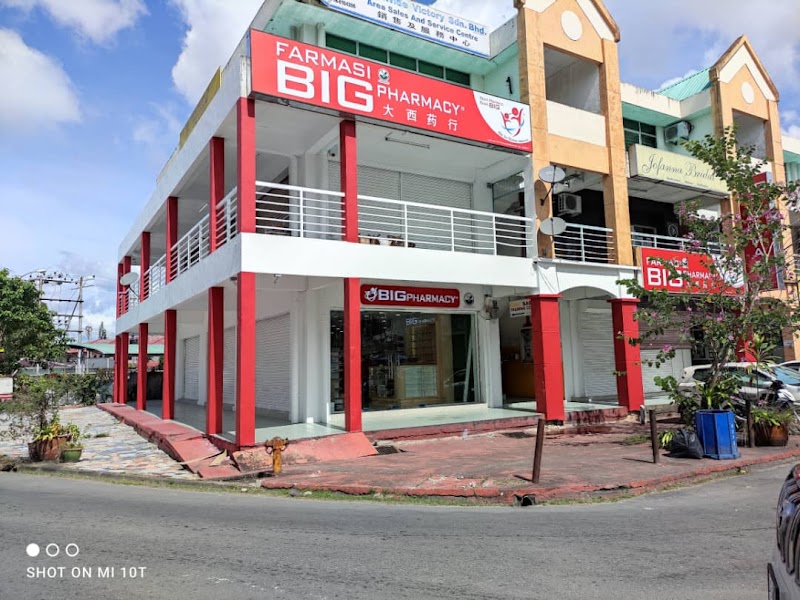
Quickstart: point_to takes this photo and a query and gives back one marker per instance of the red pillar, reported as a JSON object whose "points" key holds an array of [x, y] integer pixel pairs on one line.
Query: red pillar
{"points": [[352, 354], [124, 341], [168, 389], [349, 178], [172, 234], [126, 268], [119, 290], [141, 374], [216, 334], [144, 265], [246, 164], [216, 150], [246, 360], [548, 369], [117, 358], [352, 293], [627, 358]]}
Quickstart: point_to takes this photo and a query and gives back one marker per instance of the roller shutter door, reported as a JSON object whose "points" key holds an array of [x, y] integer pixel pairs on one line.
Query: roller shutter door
{"points": [[672, 367], [273, 366], [598, 353], [229, 367], [191, 368], [381, 183]]}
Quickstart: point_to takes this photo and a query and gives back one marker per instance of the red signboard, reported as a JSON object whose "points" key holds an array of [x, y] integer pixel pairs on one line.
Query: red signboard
{"points": [[752, 253], [289, 70], [656, 275], [400, 295]]}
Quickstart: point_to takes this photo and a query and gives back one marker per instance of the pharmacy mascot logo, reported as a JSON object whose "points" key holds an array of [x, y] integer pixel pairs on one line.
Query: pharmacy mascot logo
{"points": [[513, 121], [371, 294]]}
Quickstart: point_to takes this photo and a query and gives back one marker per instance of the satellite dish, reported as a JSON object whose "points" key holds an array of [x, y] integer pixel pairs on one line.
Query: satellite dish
{"points": [[129, 279], [553, 226], [552, 174]]}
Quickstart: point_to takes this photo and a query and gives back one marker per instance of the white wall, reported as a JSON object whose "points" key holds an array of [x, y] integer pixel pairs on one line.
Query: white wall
{"points": [[576, 85], [495, 82]]}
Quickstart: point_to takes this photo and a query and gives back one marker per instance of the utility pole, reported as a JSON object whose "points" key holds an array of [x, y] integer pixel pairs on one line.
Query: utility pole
{"points": [[63, 296]]}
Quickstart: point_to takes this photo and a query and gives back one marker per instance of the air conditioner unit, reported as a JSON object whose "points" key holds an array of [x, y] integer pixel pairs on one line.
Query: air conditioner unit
{"points": [[569, 204], [678, 131]]}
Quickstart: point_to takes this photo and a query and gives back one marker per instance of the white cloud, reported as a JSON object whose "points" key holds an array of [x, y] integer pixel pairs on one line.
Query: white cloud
{"points": [[674, 80], [215, 28], [37, 91], [97, 20], [657, 37]]}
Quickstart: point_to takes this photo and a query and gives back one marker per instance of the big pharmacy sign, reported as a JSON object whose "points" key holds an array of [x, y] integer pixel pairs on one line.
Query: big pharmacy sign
{"points": [[329, 81]]}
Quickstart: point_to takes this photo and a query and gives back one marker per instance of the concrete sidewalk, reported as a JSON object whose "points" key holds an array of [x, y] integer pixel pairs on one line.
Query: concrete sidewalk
{"points": [[496, 467]]}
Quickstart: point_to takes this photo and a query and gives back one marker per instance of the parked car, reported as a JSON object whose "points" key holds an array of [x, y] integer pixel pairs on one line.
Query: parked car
{"points": [[794, 365], [783, 568], [756, 383]]}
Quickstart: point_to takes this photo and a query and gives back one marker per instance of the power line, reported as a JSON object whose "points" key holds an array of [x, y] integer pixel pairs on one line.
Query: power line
{"points": [[63, 295]]}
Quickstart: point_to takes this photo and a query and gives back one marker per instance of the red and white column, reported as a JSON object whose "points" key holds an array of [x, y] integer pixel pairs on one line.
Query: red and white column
{"points": [[117, 357], [627, 357], [168, 389], [141, 363], [124, 341], [126, 268], [216, 334], [352, 285], [216, 148], [548, 368], [246, 281], [171, 236]]}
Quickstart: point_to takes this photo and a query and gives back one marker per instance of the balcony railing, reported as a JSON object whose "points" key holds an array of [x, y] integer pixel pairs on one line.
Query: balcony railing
{"points": [[663, 242], [225, 226], [311, 213], [585, 243]]}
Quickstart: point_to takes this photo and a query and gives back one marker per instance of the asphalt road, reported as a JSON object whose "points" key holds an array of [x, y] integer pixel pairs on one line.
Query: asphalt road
{"points": [[710, 541]]}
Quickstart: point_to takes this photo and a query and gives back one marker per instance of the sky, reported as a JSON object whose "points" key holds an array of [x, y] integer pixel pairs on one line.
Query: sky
{"points": [[96, 91]]}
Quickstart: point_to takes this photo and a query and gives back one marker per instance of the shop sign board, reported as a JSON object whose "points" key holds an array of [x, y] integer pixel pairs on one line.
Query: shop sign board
{"points": [[520, 308], [753, 252], [341, 84], [420, 20], [401, 295], [656, 275], [671, 167]]}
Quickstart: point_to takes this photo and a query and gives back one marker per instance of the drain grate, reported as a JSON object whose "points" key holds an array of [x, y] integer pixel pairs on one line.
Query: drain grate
{"points": [[388, 450], [518, 434]]}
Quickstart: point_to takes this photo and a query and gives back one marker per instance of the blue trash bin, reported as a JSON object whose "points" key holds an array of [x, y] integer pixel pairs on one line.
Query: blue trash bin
{"points": [[716, 430]]}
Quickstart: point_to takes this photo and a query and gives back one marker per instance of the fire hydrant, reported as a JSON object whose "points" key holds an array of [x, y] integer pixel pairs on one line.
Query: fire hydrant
{"points": [[275, 447]]}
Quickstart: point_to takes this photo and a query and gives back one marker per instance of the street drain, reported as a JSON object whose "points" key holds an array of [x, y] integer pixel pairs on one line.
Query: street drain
{"points": [[517, 434], [388, 450]]}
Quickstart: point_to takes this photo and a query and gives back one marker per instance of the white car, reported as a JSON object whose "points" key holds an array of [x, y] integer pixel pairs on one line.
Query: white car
{"points": [[755, 382]]}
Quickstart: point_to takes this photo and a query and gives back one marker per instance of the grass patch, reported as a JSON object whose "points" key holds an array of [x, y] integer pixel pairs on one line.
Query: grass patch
{"points": [[635, 439]]}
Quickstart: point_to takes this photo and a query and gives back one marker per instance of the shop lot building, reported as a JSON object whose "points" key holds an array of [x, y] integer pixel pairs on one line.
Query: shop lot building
{"points": [[348, 234]]}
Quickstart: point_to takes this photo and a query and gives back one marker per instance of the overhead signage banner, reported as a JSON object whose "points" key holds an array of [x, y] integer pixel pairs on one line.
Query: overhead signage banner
{"points": [[344, 84], [670, 167], [399, 295], [656, 275], [421, 20]]}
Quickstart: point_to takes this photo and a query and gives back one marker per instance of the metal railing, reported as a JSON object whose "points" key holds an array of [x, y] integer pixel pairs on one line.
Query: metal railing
{"points": [[301, 212], [312, 213], [225, 225], [155, 277], [191, 248], [664, 242], [585, 243]]}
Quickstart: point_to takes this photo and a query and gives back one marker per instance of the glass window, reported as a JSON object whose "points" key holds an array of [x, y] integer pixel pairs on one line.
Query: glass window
{"points": [[427, 68], [785, 375], [402, 61], [339, 43], [639, 133], [372, 52], [408, 360], [458, 77]]}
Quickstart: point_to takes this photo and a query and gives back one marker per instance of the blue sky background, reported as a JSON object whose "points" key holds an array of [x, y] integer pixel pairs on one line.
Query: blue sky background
{"points": [[96, 91]]}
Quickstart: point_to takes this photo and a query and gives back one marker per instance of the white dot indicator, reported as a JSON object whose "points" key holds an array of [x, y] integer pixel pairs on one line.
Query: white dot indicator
{"points": [[32, 550]]}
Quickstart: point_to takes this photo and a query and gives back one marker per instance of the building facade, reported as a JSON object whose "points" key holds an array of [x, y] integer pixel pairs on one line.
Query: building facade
{"points": [[350, 229]]}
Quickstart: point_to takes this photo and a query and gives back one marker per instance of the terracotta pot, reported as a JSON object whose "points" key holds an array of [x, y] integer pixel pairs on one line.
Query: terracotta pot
{"points": [[49, 450], [771, 435]]}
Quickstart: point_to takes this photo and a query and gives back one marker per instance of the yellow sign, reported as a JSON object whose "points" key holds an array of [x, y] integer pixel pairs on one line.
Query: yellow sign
{"points": [[670, 167]]}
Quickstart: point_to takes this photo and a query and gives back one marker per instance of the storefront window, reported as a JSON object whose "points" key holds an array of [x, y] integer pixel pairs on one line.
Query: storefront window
{"points": [[408, 360]]}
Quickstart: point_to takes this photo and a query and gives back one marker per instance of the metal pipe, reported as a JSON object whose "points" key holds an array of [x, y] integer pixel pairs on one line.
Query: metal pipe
{"points": [[654, 436], [537, 454]]}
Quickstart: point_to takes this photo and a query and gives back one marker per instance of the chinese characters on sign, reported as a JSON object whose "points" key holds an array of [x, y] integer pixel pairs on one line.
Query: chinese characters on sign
{"points": [[695, 269], [339, 83], [414, 18]]}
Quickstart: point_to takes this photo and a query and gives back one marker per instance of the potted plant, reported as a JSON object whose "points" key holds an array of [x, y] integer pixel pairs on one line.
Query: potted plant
{"points": [[72, 449], [771, 425], [33, 414]]}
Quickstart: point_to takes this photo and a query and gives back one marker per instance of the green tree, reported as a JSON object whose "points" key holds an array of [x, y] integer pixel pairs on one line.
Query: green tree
{"points": [[744, 252], [26, 325], [101, 332]]}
